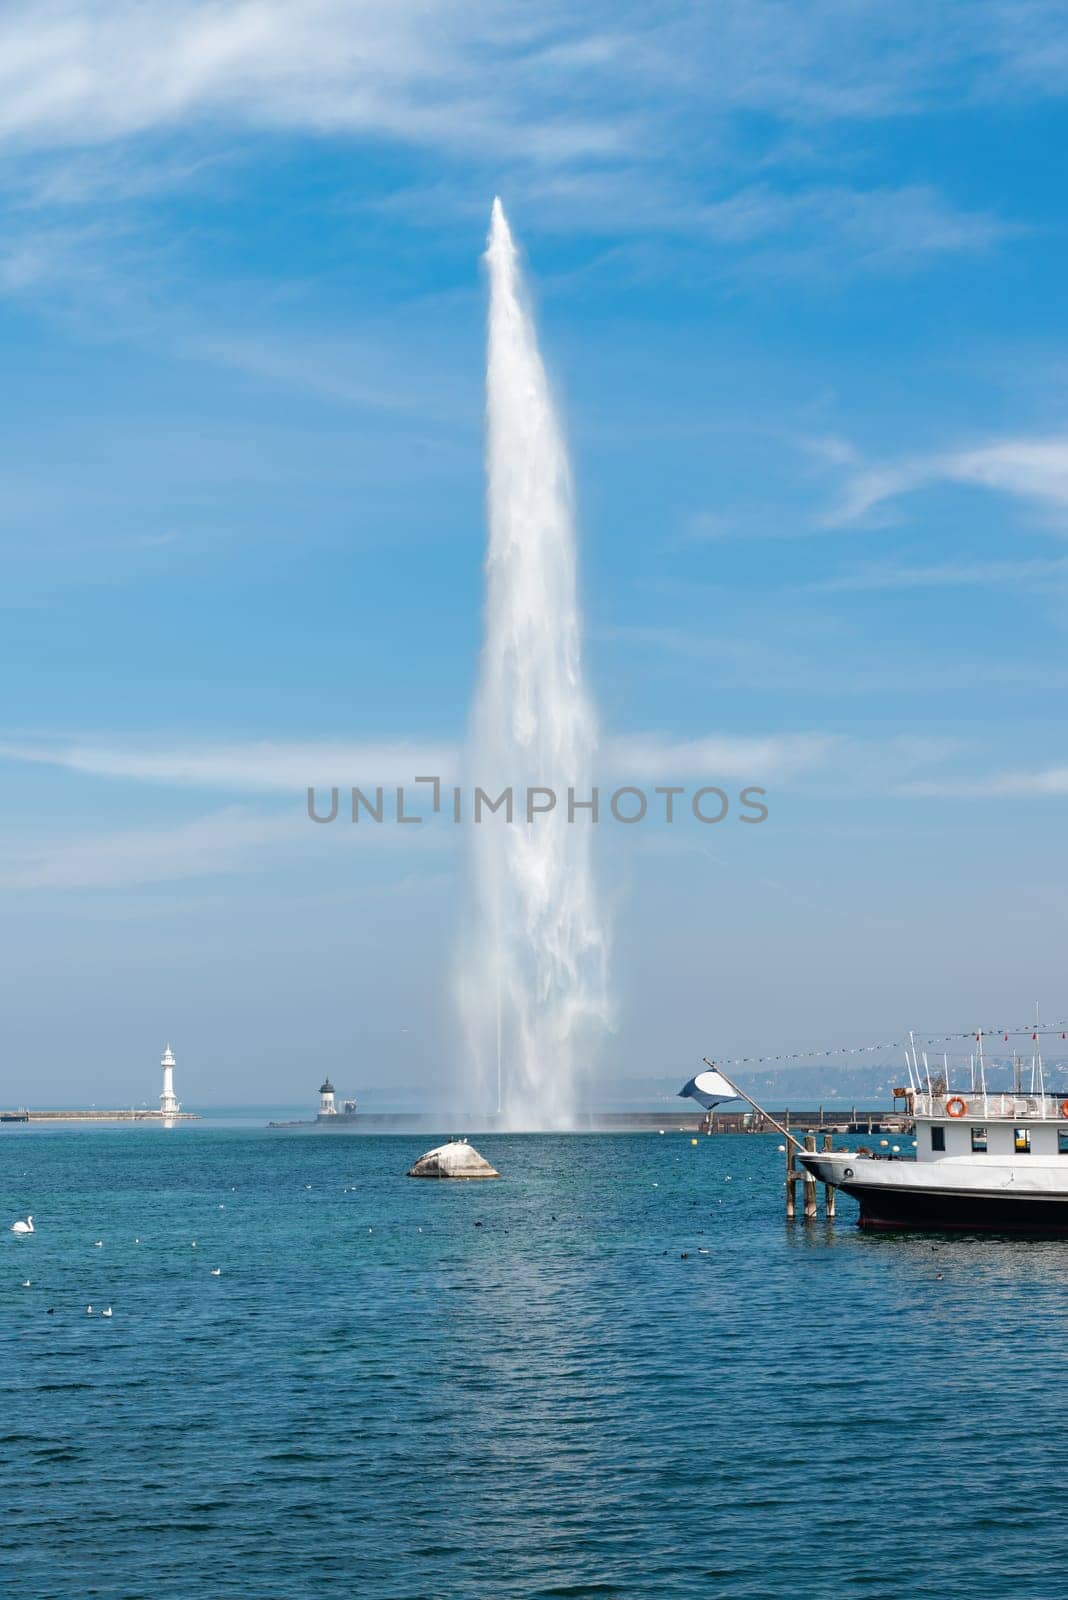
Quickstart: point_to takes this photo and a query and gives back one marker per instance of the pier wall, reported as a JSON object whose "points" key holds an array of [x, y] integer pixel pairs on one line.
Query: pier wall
{"points": [[131, 1115], [850, 1120]]}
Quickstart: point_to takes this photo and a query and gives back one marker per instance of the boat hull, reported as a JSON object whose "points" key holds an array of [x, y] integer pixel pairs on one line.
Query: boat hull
{"points": [[941, 1210]]}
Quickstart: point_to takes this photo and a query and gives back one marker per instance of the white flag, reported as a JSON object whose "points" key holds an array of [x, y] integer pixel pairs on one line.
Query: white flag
{"points": [[708, 1089]]}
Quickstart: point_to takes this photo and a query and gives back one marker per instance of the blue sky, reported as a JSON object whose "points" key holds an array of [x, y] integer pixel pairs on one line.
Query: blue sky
{"points": [[799, 275]]}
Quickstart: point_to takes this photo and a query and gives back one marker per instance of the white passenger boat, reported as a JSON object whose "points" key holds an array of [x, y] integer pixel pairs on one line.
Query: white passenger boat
{"points": [[983, 1161]]}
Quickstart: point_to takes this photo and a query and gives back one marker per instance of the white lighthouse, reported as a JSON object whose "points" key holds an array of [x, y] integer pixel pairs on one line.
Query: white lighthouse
{"points": [[327, 1103], [168, 1102]]}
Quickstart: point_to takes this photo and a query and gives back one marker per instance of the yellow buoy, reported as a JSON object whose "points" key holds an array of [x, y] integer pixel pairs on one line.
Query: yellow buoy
{"points": [[693, 1141]]}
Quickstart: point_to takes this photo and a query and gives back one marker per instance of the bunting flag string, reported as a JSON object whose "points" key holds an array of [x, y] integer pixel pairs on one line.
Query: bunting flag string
{"points": [[976, 1035]]}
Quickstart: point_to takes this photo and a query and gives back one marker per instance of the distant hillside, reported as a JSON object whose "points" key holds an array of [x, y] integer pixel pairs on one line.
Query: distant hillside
{"points": [[809, 1085]]}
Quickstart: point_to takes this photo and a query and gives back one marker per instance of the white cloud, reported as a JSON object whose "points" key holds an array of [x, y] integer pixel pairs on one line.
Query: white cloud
{"points": [[224, 842], [946, 575], [447, 74], [1033, 470], [994, 785], [265, 765], [881, 229], [275, 767], [233, 840], [272, 766], [540, 79], [648, 757], [584, 118]]}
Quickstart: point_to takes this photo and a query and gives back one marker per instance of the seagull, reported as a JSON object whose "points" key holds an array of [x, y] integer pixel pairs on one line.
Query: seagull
{"points": [[98, 1244], [88, 1311], [216, 1272], [25, 1283], [23, 1227], [192, 1244], [106, 1312]]}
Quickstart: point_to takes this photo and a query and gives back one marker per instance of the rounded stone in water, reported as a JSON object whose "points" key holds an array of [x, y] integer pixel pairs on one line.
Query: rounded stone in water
{"points": [[457, 1159]]}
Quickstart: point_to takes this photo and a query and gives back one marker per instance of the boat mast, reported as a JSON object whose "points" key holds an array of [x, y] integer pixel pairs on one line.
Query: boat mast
{"points": [[982, 1069]]}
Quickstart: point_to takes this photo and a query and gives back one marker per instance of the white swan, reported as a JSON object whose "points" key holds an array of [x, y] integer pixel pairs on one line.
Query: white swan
{"points": [[216, 1272], [98, 1244], [23, 1227], [88, 1311], [106, 1312], [25, 1283]]}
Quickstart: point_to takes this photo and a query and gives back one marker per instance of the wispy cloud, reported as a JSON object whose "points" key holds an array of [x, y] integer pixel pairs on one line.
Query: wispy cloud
{"points": [[646, 757], [290, 768], [582, 111], [84, 74], [899, 763], [1047, 781], [455, 74], [361, 372], [832, 229], [810, 229], [236, 839], [267, 765], [1033, 470], [224, 842], [1038, 574]]}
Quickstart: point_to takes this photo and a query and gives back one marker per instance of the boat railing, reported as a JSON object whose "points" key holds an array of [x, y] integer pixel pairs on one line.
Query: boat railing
{"points": [[981, 1107]]}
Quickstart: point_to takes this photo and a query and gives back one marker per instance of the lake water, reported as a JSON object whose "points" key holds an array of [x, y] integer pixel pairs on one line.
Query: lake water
{"points": [[616, 1372]]}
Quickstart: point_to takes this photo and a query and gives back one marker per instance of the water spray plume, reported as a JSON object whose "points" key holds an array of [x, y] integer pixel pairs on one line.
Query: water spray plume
{"points": [[533, 978]]}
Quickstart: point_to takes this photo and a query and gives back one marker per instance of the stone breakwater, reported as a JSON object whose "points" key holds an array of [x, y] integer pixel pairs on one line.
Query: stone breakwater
{"points": [[129, 1115]]}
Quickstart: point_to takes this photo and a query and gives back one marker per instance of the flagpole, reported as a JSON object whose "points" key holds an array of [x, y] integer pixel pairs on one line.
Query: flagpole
{"points": [[743, 1096]]}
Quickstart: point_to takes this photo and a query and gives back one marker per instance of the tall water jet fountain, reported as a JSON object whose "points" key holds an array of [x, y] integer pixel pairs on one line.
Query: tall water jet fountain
{"points": [[532, 980]]}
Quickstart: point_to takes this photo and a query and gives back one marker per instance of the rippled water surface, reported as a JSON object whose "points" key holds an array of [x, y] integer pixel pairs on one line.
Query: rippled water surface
{"points": [[616, 1372]]}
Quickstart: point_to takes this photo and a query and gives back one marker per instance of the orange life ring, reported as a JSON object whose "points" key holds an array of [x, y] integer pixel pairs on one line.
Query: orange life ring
{"points": [[1064, 1108], [956, 1107]]}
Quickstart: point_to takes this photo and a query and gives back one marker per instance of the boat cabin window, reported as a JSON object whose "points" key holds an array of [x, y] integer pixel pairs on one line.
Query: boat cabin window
{"points": [[938, 1138], [1062, 1141], [1021, 1141], [979, 1139]]}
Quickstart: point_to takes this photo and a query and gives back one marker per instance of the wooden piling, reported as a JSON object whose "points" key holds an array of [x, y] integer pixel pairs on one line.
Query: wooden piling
{"points": [[791, 1182], [810, 1210]]}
